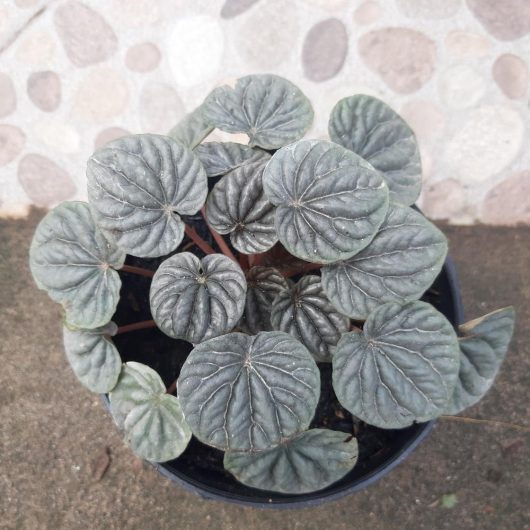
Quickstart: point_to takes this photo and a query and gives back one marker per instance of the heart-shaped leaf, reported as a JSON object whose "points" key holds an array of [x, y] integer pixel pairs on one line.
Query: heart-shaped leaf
{"points": [[71, 259], [400, 369], [153, 421], [238, 206], [194, 299], [399, 265], [192, 129], [305, 312], [263, 284], [137, 186], [374, 131], [330, 202], [270, 109], [219, 158], [483, 347], [307, 462], [248, 393], [93, 357]]}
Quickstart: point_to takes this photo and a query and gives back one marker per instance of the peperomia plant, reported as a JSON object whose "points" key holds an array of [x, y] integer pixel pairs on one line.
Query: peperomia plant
{"points": [[279, 255]]}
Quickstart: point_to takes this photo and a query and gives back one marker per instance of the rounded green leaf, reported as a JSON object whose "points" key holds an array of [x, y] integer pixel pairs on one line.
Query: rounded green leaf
{"points": [[308, 462], [270, 109], [370, 128], [400, 369], [194, 299], [483, 347], [71, 259], [399, 265], [93, 357], [330, 202], [219, 158], [137, 186], [248, 393], [305, 312], [238, 206], [153, 421], [263, 284], [192, 129]]}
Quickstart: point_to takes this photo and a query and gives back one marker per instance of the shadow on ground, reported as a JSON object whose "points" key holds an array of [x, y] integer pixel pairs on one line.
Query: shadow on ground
{"points": [[54, 435]]}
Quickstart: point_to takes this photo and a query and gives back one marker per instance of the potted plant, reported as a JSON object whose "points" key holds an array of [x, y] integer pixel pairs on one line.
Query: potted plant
{"points": [[273, 321]]}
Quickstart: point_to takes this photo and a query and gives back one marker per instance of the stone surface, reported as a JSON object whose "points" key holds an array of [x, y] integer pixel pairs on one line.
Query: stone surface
{"points": [[8, 98], [12, 140], [426, 118], [509, 202], [504, 19], [461, 86], [57, 135], [160, 108], [443, 199], [45, 183], [53, 429], [404, 58], [429, 9], [487, 142], [101, 95], [26, 3], [233, 8], [107, 135], [330, 5], [195, 49], [37, 49], [325, 48], [511, 74], [44, 90], [139, 13], [86, 36], [466, 44], [367, 12], [142, 57]]}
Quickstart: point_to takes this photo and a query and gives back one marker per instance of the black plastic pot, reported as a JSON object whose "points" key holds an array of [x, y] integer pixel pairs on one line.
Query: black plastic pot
{"points": [[199, 469]]}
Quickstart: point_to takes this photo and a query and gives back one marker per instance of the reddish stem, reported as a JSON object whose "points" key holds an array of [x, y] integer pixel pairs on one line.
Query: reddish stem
{"points": [[299, 270], [137, 270], [245, 261], [198, 240], [145, 324], [225, 249], [172, 387]]}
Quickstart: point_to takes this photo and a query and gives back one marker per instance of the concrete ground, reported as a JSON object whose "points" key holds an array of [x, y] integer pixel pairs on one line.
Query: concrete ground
{"points": [[55, 436]]}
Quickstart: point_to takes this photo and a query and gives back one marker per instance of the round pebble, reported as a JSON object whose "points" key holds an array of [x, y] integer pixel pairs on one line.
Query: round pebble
{"points": [[461, 86], [57, 135], [36, 50], [160, 108], [44, 90], [142, 57], [443, 199], [233, 8], [107, 135], [12, 140], [426, 118], [367, 13], [467, 45], [504, 19], [510, 72], [429, 9], [8, 98]]}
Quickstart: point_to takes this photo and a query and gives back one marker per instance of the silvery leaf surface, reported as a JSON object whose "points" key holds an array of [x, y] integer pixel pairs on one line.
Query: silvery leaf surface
{"points": [[192, 129], [307, 462], [330, 202], [137, 187], [72, 260], [195, 299], [306, 313], [402, 368], [93, 357], [153, 421], [269, 109], [400, 264], [238, 206], [263, 284], [483, 346], [248, 393], [370, 128], [219, 158]]}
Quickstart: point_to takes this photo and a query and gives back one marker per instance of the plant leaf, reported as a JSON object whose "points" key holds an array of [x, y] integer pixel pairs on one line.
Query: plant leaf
{"points": [[192, 129], [219, 158], [399, 265], [308, 462], [93, 357], [305, 312], [247, 393], [263, 284], [137, 186], [238, 206], [330, 202], [400, 369], [270, 109], [374, 131], [71, 259], [153, 421], [483, 347], [196, 299]]}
